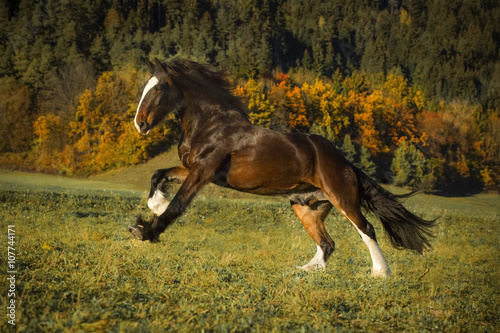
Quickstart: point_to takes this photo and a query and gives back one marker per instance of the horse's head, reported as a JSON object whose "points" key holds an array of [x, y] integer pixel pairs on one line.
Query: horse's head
{"points": [[160, 97]]}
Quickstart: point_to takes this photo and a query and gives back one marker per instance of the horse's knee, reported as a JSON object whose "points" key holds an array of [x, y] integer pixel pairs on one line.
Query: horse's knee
{"points": [[158, 175]]}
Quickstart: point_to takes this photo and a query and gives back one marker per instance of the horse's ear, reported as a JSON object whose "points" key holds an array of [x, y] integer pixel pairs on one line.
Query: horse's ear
{"points": [[151, 67], [159, 65]]}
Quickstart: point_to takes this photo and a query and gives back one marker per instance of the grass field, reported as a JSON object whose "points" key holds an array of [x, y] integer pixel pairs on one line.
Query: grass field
{"points": [[228, 265]]}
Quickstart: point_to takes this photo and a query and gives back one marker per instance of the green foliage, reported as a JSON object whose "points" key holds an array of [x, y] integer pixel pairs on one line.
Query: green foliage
{"points": [[439, 51], [366, 162], [324, 131], [409, 166], [362, 160], [348, 149]]}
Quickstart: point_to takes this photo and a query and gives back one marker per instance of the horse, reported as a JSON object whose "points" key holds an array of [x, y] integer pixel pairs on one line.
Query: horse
{"points": [[220, 145]]}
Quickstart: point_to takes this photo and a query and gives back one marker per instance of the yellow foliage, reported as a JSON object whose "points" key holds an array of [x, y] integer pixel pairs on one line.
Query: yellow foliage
{"points": [[486, 177], [327, 107], [404, 17], [418, 100], [102, 135], [396, 88], [47, 128], [259, 106]]}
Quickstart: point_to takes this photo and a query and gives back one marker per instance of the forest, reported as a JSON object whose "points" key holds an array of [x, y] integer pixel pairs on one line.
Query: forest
{"points": [[408, 90]]}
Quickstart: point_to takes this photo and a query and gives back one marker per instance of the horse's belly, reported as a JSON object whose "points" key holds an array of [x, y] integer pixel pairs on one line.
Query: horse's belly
{"points": [[268, 177]]}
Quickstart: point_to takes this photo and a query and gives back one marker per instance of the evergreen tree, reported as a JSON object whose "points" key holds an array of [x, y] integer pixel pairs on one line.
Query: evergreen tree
{"points": [[348, 149], [324, 131], [367, 165], [444, 51], [409, 166], [401, 166], [306, 60]]}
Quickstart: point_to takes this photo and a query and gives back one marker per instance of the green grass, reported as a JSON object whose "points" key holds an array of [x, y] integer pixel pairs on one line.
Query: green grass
{"points": [[228, 265]]}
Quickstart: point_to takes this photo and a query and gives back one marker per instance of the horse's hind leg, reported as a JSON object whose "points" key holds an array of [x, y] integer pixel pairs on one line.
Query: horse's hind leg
{"points": [[347, 201], [312, 217], [367, 233]]}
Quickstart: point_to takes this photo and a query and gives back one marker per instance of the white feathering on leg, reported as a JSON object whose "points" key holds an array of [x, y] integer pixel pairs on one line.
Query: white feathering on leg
{"points": [[317, 262], [380, 265], [158, 203]]}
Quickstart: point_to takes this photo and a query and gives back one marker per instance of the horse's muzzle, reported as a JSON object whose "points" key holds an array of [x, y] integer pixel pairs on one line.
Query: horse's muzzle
{"points": [[144, 127]]}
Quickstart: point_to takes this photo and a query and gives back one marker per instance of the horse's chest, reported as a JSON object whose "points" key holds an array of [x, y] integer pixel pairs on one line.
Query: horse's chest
{"points": [[184, 151]]}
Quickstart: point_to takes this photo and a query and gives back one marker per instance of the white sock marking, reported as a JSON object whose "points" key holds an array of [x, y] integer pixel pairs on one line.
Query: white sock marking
{"points": [[380, 265], [317, 262], [158, 203], [151, 84]]}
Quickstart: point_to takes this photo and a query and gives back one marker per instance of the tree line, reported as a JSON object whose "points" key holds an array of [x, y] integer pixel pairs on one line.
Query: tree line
{"points": [[410, 81]]}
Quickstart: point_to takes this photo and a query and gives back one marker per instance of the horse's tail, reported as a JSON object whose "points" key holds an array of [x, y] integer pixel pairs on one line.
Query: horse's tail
{"points": [[405, 229]]}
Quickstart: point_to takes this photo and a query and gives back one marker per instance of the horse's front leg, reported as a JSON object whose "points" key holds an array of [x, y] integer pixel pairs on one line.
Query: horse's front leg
{"points": [[193, 183], [160, 185], [158, 202]]}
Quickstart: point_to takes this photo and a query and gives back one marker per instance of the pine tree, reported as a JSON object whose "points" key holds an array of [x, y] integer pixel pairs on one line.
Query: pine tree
{"points": [[410, 166], [400, 166], [306, 60], [348, 149], [367, 165]]}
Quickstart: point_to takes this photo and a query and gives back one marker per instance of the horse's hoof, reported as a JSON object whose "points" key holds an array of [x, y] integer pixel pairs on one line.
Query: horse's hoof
{"points": [[136, 231]]}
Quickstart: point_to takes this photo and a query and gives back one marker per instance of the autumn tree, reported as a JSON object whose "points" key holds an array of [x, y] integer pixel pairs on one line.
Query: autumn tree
{"points": [[259, 106], [50, 141], [15, 121]]}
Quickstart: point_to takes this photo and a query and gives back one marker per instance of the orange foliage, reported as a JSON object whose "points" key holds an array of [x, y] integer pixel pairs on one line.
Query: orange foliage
{"points": [[102, 135], [282, 77], [297, 112], [49, 142], [364, 119]]}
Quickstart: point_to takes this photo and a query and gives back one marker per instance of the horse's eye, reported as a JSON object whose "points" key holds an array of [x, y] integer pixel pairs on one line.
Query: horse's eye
{"points": [[158, 88]]}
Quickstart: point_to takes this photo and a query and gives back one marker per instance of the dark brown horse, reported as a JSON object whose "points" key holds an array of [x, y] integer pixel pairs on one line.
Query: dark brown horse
{"points": [[220, 145]]}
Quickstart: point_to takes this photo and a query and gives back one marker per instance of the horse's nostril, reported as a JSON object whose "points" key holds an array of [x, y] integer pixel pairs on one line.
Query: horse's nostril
{"points": [[143, 126]]}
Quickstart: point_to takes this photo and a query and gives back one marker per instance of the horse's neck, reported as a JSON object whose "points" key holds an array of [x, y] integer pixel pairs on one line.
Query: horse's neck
{"points": [[199, 115], [192, 116]]}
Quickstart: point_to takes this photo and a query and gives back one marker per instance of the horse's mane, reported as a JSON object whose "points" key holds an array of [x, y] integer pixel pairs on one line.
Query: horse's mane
{"points": [[214, 84]]}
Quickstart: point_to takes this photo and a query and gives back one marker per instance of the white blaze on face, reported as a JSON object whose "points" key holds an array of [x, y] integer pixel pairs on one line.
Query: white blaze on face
{"points": [[151, 84]]}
